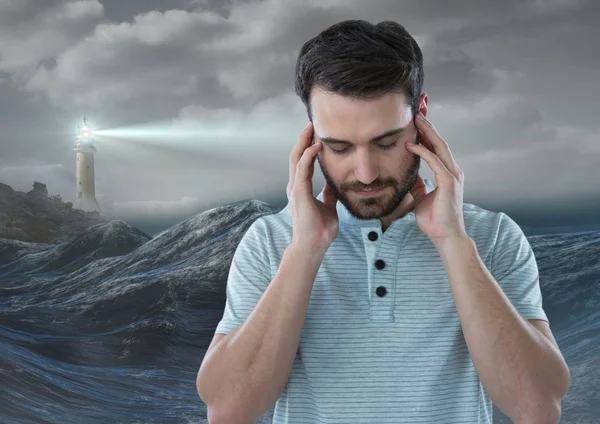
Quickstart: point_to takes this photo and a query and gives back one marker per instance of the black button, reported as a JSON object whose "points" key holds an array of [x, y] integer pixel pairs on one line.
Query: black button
{"points": [[373, 236], [379, 264], [381, 291]]}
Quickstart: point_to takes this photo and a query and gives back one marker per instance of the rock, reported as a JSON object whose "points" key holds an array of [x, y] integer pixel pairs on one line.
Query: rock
{"points": [[35, 217]]}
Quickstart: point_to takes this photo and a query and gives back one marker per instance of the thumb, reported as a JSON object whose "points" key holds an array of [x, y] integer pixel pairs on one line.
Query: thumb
{"points": [[419, 190], [328, 197]]}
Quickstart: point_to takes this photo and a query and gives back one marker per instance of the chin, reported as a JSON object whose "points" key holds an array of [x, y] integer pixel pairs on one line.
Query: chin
{"points": [[367, 208]]}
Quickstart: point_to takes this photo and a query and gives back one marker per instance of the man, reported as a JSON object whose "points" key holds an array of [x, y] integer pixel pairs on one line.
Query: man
{"points": [[385, 299]]}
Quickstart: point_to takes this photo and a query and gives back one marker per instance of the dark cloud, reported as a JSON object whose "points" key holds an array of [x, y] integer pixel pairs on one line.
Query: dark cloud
{"points": [[453, 74], [33, 32], [25, 10]]}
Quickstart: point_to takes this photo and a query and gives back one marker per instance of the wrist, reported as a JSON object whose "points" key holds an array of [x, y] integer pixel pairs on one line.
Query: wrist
{"points": [[307, 250], [454, 244]]}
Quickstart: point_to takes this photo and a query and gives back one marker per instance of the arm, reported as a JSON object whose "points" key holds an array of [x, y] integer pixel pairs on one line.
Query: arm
{"points": [[521, 368], [242, 377]]}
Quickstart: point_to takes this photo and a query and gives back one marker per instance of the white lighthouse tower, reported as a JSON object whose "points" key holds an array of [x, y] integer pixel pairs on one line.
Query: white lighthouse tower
{"points": [[86, 188]]}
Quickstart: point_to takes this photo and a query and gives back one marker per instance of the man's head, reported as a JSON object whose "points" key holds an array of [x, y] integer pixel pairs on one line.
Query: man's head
{"points": [[358, 81]]}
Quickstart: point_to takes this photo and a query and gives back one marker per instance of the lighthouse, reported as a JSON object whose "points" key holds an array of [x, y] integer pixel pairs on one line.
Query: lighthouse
{"points": [[85, 185]]}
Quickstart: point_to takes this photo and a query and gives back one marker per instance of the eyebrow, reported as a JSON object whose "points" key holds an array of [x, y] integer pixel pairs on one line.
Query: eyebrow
{"points": [[332, 140]]}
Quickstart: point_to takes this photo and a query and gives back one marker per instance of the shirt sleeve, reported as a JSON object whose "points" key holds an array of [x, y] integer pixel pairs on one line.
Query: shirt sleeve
{"points": [[249, 276], [515, 268]]}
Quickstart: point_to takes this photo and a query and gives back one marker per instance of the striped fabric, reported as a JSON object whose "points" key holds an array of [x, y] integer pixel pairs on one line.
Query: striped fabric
{"points": [[382, 341]]}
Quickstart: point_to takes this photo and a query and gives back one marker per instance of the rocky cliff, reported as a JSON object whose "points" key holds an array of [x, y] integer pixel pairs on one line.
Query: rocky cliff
{"points": [[34, 216]]}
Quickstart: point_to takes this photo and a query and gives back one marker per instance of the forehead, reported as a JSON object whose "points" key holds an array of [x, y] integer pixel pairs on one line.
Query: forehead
{"points": [[357, 119]]}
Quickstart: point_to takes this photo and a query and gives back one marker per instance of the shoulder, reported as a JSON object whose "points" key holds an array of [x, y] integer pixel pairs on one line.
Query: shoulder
{"points": [[271, 234], [491, 230], [269, 223], [277, 226], [481, 219]]}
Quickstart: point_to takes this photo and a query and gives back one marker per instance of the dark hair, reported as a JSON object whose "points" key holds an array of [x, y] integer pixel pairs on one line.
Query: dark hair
{"points": [[358, 59]]}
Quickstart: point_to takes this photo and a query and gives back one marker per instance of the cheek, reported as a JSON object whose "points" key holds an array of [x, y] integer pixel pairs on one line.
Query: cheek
{"points": [[337, 168], [396, 163]]}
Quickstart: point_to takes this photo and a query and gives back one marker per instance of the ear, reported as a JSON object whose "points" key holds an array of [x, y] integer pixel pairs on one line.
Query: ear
{"points": [[423, 104]]}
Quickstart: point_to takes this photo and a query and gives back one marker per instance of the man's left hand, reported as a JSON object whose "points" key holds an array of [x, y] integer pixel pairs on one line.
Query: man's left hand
{"points": [[439, 214]]}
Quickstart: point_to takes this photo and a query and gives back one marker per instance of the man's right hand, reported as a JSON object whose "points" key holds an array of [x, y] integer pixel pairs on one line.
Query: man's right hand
{"points": [[315, 223]]}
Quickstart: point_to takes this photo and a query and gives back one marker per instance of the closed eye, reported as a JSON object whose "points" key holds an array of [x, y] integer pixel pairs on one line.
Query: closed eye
{"points": [[381, 146]]}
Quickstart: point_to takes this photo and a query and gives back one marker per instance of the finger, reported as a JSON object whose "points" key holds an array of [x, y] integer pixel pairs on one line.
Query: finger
{"points": [[305, 168], [422, 139], [437, 166], [419, 189], [437, 144], [304, 141], [328, 197]]}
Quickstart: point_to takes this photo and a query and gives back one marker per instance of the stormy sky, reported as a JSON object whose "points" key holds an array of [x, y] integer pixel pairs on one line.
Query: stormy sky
{"points": [[204, 91]]}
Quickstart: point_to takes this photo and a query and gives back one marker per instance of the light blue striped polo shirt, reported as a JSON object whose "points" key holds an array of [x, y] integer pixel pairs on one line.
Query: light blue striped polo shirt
{"points": [[382, 340]]}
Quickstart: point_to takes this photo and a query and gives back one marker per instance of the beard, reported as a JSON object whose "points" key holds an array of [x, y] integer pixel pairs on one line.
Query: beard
{"points": [[378, 206]]}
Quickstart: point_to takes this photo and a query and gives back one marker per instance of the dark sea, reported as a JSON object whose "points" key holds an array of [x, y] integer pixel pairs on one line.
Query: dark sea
{"points": [[112, 326]]}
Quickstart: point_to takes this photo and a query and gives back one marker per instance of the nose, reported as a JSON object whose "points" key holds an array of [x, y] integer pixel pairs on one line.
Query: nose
{"points": [[366, 169]]}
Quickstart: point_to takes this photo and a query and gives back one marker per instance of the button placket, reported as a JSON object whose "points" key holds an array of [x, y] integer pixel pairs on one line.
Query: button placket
{"points": [[381, 290], [379, 275]]}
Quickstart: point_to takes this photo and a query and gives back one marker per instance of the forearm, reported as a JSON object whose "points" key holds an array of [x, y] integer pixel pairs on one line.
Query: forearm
{"points": [[520, 368], [248, 369]]}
